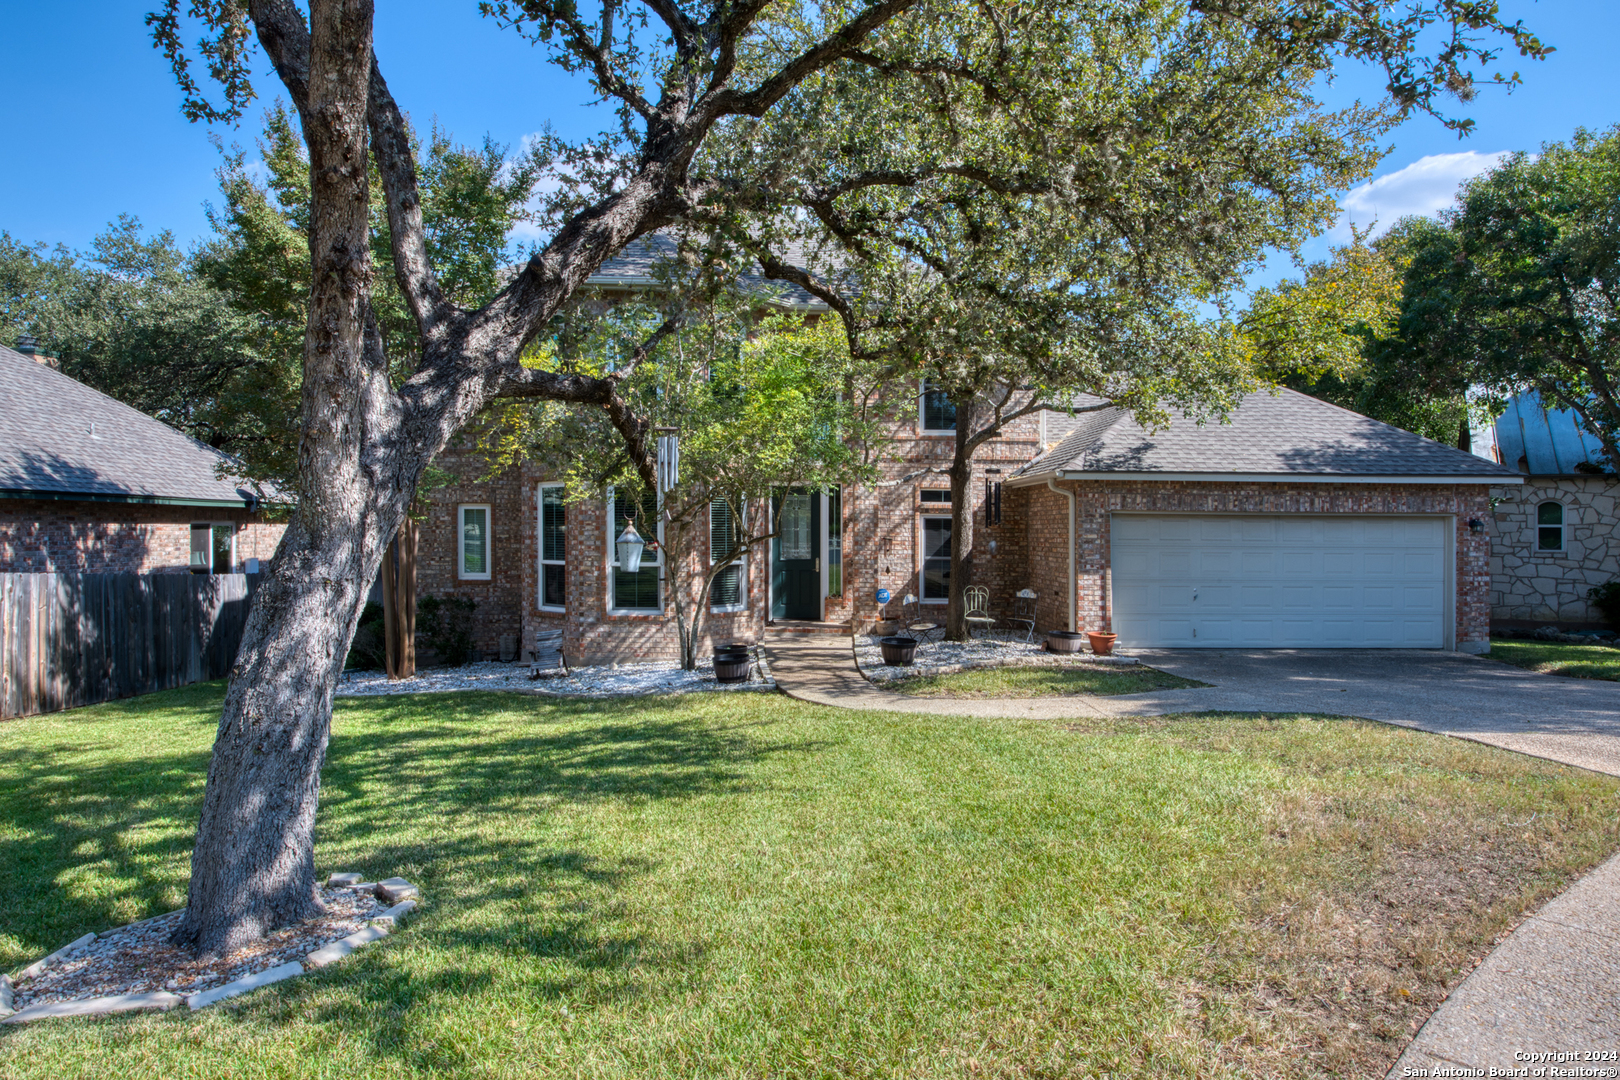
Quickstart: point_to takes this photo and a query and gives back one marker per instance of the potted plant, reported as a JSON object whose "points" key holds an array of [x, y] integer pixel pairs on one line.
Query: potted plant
{"points": [[898, 651], [731, 662], [1065, 641], [1101, 644]]}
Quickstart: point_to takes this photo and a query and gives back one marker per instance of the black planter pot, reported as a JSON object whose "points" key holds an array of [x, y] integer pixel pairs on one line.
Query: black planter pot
{"points": [[1065, 641], [898, 651], [731, 663]]}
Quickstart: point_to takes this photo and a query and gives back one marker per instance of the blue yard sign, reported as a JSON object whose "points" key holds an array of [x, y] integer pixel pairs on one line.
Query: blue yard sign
{"points": [[883, 596]]}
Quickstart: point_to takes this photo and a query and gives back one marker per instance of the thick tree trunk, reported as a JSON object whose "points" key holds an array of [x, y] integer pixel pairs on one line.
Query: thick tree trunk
{"points": [[399, 602], [253, 866], [961, 474]]}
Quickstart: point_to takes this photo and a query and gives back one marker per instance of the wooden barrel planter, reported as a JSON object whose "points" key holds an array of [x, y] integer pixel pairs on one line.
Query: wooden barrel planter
{"points": [[731, 664], [1065, 641], [898, 651]]}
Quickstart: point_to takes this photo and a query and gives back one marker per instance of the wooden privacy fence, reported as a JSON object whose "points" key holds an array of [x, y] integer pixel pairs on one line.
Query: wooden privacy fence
{"points": [[75, 639]]}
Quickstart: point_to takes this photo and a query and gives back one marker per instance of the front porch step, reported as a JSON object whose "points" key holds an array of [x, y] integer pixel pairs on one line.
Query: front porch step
{"points": [[807, 626]]}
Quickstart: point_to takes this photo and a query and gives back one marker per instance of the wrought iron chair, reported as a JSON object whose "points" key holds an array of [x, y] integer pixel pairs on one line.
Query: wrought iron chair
{"points": [[1024, 612], [917, 622], [977, 601]]}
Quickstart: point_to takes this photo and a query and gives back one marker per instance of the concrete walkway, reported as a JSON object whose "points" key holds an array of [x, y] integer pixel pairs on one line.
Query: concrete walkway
{"points": [[1554, 983]]}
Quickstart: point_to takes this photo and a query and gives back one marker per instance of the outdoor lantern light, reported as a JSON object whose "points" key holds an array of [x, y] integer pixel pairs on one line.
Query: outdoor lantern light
{"points": [[1476, 525], [630, 547]]}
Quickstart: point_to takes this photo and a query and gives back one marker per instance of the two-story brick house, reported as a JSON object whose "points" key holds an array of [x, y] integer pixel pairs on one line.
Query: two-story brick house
{"points": [[1297, 524]]}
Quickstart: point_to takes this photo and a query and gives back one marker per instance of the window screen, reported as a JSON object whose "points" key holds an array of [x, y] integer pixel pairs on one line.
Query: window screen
{"points": [[553, 569], [475, 541], [638, 591], [1550, 527], [936, 563], [728, 587]]}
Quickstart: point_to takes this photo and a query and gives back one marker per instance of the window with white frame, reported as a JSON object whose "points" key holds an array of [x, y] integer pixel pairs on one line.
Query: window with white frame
{"points": [[638, 591], [213, 547], [936, 560], [553, 563], [935, 411], [729, 590], [1550, 527], [472, 531]]}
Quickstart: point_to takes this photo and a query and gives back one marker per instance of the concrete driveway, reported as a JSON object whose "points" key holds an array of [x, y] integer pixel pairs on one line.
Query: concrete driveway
{"points": [[1574, 721]]}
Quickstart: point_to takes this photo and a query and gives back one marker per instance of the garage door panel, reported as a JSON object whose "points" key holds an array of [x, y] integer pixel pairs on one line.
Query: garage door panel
{"points": [[1280, 581]]}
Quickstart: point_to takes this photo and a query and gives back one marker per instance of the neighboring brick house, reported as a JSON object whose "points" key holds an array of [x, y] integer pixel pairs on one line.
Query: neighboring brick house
{"points": [[89, 484], [1557, 534], [1298, 524]]}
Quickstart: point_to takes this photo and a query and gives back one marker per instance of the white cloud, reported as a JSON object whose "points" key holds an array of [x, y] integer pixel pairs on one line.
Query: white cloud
{"points": [[1424, 188]]}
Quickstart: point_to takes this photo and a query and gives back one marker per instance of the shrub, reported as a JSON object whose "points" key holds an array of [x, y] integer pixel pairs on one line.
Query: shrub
{"points": [[1606, 598], [447, 627], [368, 650]]}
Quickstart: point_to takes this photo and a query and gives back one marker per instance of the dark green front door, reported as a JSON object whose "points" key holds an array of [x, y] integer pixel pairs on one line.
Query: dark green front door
{"points": [[796, 556]]}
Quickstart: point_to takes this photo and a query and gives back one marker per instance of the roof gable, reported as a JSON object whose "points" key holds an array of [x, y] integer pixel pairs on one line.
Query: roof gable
{"points": [[59, 439]]}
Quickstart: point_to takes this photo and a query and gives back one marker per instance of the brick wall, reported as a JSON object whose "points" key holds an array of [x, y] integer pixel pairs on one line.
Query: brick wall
{"points": [[1096, 500], [40, 536], [438, 546], [1529, 585]]}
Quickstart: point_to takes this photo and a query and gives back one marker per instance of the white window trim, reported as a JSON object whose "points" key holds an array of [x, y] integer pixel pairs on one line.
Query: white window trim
{"points": [[540, 549], [212, 525], [922, 420], [461, 539], [613, 531], [922, 558], [1536, 526], [741, 517]]}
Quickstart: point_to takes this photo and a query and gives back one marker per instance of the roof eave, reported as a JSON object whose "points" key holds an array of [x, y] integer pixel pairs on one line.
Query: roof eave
{"points": [[129, 497], [1267, 478]]}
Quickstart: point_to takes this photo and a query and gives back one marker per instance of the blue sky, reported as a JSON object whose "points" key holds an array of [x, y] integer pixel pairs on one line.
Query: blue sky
{"points": [[92, 126]]}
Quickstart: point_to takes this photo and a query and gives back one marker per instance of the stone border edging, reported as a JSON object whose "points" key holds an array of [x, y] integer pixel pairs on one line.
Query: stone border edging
{"points": [[395, 890]]}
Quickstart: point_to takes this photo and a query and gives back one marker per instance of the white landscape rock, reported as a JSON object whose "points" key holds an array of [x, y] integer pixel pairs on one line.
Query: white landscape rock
{"points": [[947, 657], [244, 984], [7, 998], [60, 954], [621, 680]]}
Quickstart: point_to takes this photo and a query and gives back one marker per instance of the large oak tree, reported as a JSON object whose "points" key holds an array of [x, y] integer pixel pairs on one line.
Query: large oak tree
{"points": [[672, 72]]}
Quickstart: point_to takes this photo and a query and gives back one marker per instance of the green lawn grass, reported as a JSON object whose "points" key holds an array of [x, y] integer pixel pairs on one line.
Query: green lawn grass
{"points": [[1559, 658], [748, 886], [1025, 682]]}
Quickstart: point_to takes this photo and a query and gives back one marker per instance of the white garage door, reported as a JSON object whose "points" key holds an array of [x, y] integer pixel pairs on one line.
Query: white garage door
{"points": [[1260, 581]]}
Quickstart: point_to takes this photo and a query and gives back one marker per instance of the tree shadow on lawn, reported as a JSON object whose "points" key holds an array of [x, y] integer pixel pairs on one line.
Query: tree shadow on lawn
{"points": [[96, 845]]}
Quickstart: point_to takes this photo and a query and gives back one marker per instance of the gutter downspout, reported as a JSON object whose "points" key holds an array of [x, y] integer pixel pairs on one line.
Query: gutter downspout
{"points": [[1073, 584]]}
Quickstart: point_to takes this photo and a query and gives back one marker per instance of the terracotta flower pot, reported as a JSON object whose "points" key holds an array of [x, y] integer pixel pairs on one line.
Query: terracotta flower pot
{"points": [[898, 651], [1065, 641], [1101, 644]]}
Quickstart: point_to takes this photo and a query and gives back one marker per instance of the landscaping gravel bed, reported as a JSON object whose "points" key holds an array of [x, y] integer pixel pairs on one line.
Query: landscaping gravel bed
{"points": [[619, 680], [137, 959], [945, 657]]}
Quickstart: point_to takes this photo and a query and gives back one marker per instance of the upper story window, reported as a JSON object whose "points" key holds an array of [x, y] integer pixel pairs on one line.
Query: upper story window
{"points": [[937, 412], [729, 590], [638, 591], [1550, 527], [935, 495], [553, 568], [472, 526]]}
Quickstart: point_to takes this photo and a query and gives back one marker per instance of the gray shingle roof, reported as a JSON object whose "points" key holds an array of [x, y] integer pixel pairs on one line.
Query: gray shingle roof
{"points": [[1290, 434], [59, 438], [635, 264]]}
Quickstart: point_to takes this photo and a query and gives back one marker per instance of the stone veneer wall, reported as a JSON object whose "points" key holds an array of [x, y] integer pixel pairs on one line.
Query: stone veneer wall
{"points": [[50, 536], [1096, 500], [1528, 585]]}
